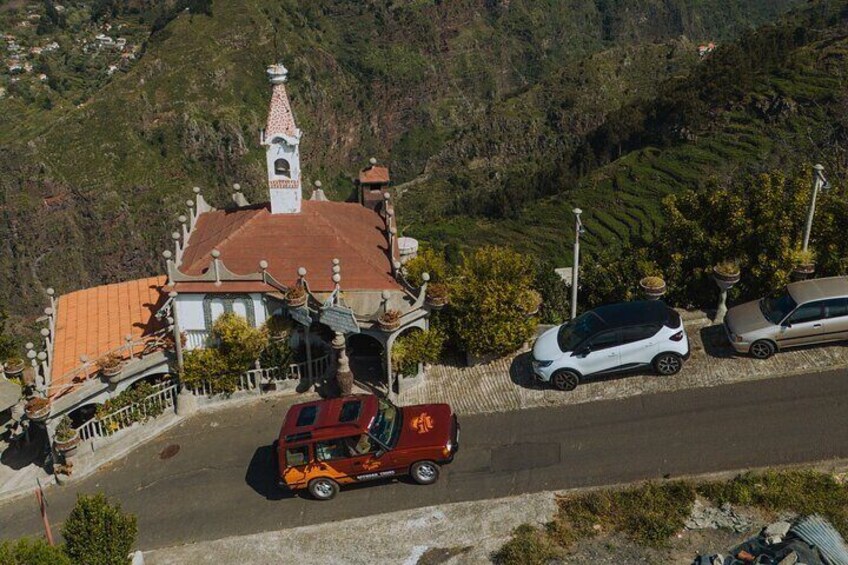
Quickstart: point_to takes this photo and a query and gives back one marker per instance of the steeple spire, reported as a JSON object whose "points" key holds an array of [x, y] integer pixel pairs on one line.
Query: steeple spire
{"points": [[282, 140]]}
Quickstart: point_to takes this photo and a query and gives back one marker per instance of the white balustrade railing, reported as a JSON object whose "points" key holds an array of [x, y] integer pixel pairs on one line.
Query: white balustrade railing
{"points": [[196, 339], [255, 378], [152, 405]]}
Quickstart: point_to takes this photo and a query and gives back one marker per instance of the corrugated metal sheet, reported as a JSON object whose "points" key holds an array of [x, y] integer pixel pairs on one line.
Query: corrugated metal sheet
{"points": [[818, 532]]}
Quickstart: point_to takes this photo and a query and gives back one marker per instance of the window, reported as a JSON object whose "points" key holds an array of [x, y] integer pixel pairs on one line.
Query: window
{"points": [[775, 309], [350, 411], [572, 333], [806, 313], [605, 340], [331, 449], [638, 333], [835, 308], [386, 425], [282, 168], [297, 456], [306, 416], [361, 445]]}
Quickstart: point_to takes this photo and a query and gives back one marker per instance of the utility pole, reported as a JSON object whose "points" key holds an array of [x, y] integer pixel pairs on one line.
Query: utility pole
{"points": [[578, 229], [819, 182]]}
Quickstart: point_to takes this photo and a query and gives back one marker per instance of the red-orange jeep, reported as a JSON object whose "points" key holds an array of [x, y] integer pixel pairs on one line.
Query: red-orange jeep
{"points": [[327, 443]]}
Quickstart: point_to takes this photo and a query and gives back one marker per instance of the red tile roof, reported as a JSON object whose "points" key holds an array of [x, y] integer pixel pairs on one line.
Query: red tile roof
{"points": [[95, 321], [321, 232], [374, 175]]}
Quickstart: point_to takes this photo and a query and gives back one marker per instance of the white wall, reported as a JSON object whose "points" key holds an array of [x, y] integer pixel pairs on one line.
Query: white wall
{"points": [[191, 317]]}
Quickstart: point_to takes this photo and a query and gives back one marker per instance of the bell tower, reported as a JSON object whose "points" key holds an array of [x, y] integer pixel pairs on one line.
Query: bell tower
{"points": [[281, 138]]}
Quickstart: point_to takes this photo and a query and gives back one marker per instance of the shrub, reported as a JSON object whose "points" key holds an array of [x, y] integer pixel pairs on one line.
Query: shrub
{"points": [[727, 268], [8, 346], [237, 347], [99, 533], [555, 300], [528, 546], [438, 292], [652, 282], [485, 293], [416, 347], [65, 430], [802, 257], [142, 410], [389, 317], [427, 261], [32, 551]]}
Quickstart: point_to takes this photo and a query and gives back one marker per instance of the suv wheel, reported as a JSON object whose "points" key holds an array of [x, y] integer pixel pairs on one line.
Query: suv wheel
{"points": [[565, 380], [323, 488], [762, 349], [424, 472], [668, 363]]}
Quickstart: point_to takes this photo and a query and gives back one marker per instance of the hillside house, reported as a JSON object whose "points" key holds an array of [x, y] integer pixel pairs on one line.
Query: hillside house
{"points": [[244, 258]]}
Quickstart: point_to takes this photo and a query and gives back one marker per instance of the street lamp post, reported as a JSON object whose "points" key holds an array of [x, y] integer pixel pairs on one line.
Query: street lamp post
{"points": [[819, 183], [578, 229]]}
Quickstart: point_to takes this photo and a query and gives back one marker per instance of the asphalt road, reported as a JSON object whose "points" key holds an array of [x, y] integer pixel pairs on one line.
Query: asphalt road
{"points": [[220, 483]]}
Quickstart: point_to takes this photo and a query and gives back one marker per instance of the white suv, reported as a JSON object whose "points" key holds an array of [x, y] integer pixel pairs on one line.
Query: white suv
{"points": [[611, 339]]}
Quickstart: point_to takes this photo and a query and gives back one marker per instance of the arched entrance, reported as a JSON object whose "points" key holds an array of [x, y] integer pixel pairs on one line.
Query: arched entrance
{"points": [[366, 355]]}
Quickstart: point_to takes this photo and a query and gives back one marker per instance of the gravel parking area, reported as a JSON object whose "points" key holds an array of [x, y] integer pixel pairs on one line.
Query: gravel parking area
{"points": [[507, 384]]}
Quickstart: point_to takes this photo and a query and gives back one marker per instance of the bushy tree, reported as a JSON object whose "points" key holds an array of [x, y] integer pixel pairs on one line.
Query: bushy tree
{"points": [[32, 551], [486, 293], [613, 276], [98, 532], [236, 347], [8, 346], [416, 347], [427, 261], [555, 294]]}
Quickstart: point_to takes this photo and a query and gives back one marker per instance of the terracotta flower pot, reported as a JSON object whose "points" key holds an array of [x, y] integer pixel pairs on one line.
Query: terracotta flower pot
{"points": [[653, 287], [38, 409], [67, 448], [14, 367], [113, 374], [731, 278]]}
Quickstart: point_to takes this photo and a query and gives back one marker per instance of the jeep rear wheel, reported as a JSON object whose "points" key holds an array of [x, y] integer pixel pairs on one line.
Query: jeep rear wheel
{"points": [[323, 488], [424, 472], [762, 349], [565, 380], [668, 364]]}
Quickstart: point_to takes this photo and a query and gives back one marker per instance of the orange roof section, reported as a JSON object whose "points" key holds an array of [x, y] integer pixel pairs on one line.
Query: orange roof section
{"points": [[374, 175], [321, 232], [95, 321]]}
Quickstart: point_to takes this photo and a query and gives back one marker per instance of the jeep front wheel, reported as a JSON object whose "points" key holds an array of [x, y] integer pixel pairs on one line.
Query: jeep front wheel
{"points": [[424, 472], [323, 488]]}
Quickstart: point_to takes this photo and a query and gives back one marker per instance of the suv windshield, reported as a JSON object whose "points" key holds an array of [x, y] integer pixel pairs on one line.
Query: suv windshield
{"points": [[577, 330], [776, 309], [386, 425]]}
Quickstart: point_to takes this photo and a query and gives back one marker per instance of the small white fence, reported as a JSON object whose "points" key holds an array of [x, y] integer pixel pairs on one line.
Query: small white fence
{"points": [[255, 378], [196, 339], [150, 406]]}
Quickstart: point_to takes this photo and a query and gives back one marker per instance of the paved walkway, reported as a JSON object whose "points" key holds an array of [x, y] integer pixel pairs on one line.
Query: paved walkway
{"points": [[507, 384]]}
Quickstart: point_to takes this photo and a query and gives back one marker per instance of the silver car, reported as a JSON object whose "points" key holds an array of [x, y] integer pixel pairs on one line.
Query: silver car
{"points": [[808, 312]]}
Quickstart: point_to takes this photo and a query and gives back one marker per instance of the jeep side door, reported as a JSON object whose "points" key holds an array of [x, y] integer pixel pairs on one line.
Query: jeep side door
{"points": [[599, 354], [368, 460], [804, 326]]}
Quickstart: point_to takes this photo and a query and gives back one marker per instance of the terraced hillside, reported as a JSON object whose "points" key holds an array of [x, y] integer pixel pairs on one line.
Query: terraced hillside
{"points": [[473, 99]]}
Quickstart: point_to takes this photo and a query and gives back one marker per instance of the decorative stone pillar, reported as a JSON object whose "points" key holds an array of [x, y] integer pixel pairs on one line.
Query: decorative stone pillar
{"points": [[725, 281], [344, 376]]}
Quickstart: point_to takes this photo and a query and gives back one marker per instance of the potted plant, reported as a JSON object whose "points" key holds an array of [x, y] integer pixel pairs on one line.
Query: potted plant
{"points": [[437, 295], [529, 302], [296, 296], [62, 471], [111, 366], [13, 367], [66, 439], [37, 409], [653, 286], [803, 262], [727, 271], [389, 320]]}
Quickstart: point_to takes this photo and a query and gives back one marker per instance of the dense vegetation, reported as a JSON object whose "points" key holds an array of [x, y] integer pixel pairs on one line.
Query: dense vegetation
{"points": [[481, 106]]}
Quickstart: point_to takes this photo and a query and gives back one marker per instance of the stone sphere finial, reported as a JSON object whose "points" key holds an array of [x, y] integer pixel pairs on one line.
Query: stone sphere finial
{"points": [[175, 236], [182, 218], [336, 278], [167, 254], [301, 271], [31, 354], [425, 277], [50, 292], [373, 161], [396, 264], [215, 253], [172, 294], [386, 196], [44, 332], [196, 190], [237, 187], [190, 203], [263, 264], [48, 311], [385, 295], [41, 356], [29, 345], [318, 184], [337, 269], [336, 261], [128, 337], [170, 320]]}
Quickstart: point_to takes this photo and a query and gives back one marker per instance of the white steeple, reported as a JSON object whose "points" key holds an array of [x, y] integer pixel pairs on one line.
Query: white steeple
{"points": [[282, 140]]}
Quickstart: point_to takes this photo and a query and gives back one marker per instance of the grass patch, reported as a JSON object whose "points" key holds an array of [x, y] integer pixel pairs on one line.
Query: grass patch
{"points": [[650, 514]]}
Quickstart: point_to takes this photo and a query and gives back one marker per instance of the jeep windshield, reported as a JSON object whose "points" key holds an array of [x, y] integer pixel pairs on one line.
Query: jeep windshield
{"points": [[776, 309], [386, 425], [575, 332]]}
